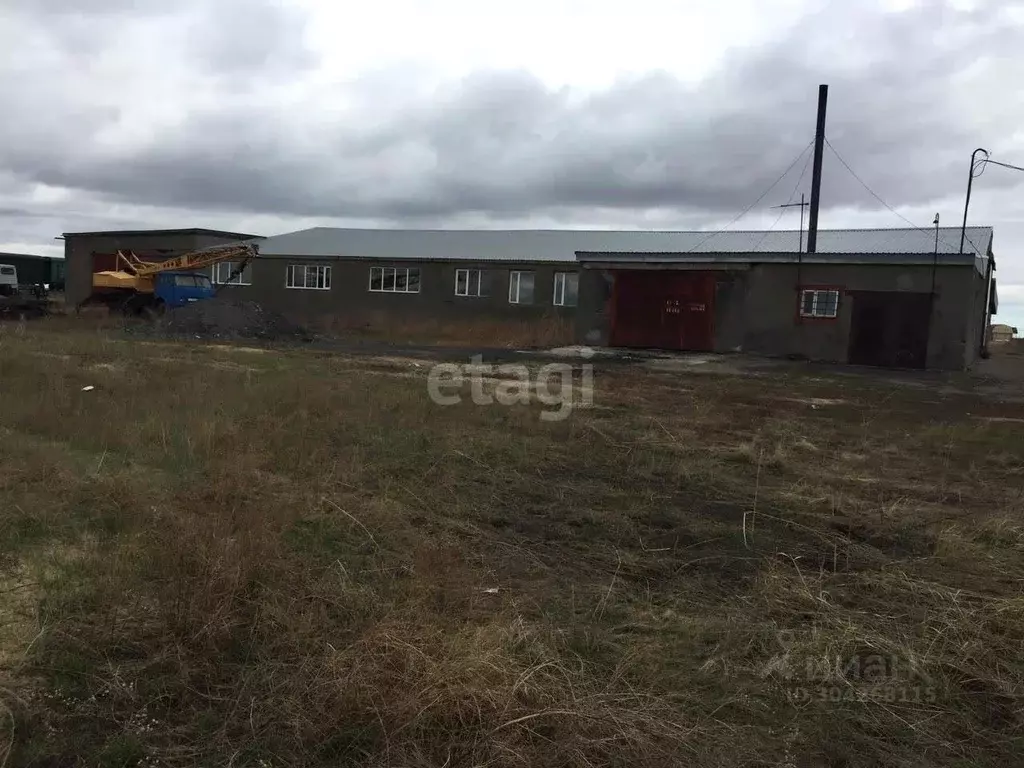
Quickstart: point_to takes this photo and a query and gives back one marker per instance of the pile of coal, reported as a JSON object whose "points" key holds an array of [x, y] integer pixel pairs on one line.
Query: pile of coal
{"points": [[223, 319]]}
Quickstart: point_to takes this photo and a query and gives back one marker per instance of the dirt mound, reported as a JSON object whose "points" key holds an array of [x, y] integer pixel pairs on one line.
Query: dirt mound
{"points": [[223, 319]]}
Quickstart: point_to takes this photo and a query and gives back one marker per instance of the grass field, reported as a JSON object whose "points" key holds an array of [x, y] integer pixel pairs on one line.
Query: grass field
{"points": [[232, 557]]}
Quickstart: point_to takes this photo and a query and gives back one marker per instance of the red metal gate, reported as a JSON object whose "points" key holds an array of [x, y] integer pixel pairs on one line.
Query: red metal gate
{"points": [[667, 310]]}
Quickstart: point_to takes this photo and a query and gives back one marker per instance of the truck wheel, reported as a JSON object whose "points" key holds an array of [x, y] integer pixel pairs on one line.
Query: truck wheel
{"points": [[156, 310]]}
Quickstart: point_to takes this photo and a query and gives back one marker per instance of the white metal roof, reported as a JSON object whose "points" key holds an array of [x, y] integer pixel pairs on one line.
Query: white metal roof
{"points": [[563, 245]]}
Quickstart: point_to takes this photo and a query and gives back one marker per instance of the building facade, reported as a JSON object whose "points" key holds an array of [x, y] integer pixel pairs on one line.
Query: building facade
{"points": [[902, 298], [310, 289], [894, 297], [352, 274], [903, 316]]}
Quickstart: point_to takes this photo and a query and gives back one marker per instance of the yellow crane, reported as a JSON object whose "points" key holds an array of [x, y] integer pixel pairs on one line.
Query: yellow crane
{"points": [[137, 285]]}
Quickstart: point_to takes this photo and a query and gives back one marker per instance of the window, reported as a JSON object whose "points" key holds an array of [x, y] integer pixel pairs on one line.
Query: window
{"points": [[395, 279], [520, 288], [202, 281], [185, 281], [819, 303], [472, 282], [222, 273], [309, 276], [6, 270], [567, 289]]}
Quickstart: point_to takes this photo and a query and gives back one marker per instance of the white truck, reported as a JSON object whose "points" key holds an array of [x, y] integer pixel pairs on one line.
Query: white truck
{"points": [[8, 280]]}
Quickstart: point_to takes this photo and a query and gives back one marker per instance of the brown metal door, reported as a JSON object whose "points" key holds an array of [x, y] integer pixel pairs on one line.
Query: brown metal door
{"points": [[637, 299], [665, 309], [695, 293], [890, 329]]}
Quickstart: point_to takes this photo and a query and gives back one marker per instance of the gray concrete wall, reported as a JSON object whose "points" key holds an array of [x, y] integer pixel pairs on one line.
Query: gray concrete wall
{"points": [[977, 318], [756, 310], [593, 315], [730, 311], [349, 295]]}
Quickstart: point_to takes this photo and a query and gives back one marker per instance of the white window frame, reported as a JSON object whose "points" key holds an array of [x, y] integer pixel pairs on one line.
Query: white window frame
{"points": [[561, 278], [322, 278], [394, 272], [515, 286], [819, 302], [245, 278], [469, 283]]}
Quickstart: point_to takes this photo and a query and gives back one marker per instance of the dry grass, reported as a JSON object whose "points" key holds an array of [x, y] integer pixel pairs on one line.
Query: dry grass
{"points": [[217, 557]]}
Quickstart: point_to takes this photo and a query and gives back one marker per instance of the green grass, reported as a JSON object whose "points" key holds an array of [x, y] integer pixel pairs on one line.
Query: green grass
{"points": [[221, 556]]}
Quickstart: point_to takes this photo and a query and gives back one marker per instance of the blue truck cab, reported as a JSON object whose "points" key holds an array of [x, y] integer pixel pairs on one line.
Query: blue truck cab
{"points": [[176, 289]]}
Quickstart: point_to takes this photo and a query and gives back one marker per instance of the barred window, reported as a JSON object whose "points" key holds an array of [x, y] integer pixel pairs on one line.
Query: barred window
{"points": [[819, 303]]}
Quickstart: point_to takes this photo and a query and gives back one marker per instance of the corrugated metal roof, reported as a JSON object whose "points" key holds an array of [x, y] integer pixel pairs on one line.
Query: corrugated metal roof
{"points": [[563, 245], [186, 231], [606, 259]]}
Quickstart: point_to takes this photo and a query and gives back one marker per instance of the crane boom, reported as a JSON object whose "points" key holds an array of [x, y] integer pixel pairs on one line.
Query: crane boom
{"points": [[191, 261]]}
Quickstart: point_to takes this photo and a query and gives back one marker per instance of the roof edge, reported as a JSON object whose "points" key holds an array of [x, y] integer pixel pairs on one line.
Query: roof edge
{"points": [[4, 255], [180, 231]]}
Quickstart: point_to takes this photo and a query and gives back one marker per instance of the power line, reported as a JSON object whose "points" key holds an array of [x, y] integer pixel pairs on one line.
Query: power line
{"points": [[879, 199], [788, 201], [750, 207], [1011, 166]]}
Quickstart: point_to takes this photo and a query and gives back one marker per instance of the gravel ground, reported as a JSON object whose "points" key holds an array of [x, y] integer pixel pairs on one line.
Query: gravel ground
{"points": [[223, 319]]}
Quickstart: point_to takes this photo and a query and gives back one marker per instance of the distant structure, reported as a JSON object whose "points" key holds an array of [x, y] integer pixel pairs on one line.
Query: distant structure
{"points": [[1000, 333], [36, 270]]}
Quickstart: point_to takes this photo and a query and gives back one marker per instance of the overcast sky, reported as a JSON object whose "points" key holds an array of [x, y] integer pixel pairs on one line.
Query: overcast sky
{"points": [[267, 116]]}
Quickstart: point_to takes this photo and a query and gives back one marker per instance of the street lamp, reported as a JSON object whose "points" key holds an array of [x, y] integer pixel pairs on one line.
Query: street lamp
{"points": [[975, 164], [979, 166]]}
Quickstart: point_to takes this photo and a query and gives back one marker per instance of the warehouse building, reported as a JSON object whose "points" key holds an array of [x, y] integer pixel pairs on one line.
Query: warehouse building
{"points": [[889, 297]]}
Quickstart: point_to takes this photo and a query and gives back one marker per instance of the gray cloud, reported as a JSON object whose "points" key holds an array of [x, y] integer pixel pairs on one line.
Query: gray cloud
{"points": [[902, 111], [253, 39]]}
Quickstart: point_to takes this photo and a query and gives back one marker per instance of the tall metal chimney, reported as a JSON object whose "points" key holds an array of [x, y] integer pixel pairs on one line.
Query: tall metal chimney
{"points": [[819, 146]]}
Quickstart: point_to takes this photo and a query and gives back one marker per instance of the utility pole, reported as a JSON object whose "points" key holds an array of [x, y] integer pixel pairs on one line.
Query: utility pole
{"points": [[802, 204], [800, 250], [819, 147]]}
